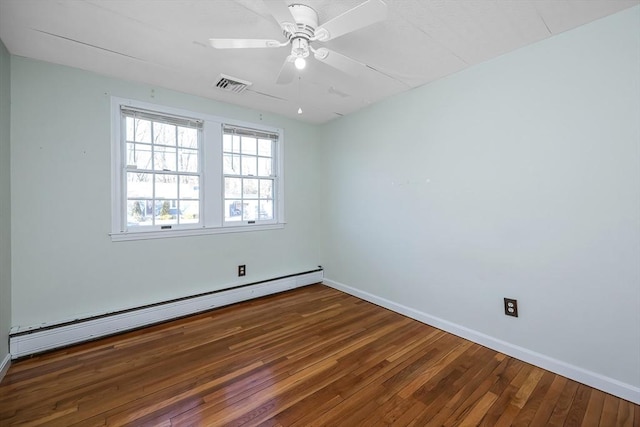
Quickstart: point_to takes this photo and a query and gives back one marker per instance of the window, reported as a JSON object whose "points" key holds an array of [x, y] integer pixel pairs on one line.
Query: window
{"points": [[178, 173], [248, 174], [163, 170]]}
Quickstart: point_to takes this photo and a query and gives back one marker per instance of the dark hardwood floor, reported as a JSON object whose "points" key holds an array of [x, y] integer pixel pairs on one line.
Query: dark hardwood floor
{"points": [[309, 357]]}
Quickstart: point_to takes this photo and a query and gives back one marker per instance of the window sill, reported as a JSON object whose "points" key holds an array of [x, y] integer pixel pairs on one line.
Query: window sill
{"points": [[165, 234]]}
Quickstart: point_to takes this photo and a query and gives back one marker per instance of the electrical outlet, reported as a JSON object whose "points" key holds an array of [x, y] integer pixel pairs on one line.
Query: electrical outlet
{"points": [[511, 307], [242, 270]]}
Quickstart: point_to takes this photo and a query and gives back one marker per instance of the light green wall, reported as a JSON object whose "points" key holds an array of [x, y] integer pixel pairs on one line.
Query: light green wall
{"points": [[519, 178], [5, 201], [64, 262]]}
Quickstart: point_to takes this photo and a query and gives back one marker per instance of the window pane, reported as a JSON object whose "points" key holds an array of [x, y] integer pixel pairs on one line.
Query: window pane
{"points": [[189, 212], [187, 137], [249, 145], [230, 143], [231, 164], [164, 134], [233, 210], [232, 188], [189, 187], [264, 147], [266, 209], [164, 158], [250, 211], [137, 213], [129, 126], [150, 211], [249, 165], [264, 166], [139, 155], [266, 189], [166, 212], [166, 186], [143, 130], [139, 185], [188, 160], [250, 188], [227, 144]]}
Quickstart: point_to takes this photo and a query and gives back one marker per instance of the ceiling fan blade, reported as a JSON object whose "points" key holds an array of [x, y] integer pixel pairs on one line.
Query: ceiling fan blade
{"points": [[281, 12], [339, 61], [363, 15], [244, 43], [287, 72]]}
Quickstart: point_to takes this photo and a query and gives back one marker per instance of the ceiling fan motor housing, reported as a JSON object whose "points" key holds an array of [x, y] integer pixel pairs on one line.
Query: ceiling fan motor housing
{"points": [[306, 22]]}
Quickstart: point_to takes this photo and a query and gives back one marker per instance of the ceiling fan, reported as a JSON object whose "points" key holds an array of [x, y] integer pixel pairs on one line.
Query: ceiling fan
{"points": [[299, 24]]}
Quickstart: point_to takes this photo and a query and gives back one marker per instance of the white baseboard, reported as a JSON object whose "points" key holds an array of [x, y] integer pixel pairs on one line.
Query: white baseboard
{"points": [[4, 366], [592, 379], [26, 341]]}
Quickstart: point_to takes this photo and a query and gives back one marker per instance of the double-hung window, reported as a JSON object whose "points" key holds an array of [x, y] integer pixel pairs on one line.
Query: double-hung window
{"points": [[249, 178], [162, 170], [179, 173]]}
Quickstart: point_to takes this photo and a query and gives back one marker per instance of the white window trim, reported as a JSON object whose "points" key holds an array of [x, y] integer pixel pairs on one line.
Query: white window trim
{"points": [[211, 152]]}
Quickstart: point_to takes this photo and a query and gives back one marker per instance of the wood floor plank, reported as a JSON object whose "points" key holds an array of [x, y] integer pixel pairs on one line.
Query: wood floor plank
{"points": [[523, 394], [594, 409], [433, 369], [509, 413], [438, 394], [479, 410], [625, 414], [503, 389], [563, 405], [311, 356], [409, 416], [579, 406], [501, 412], [609, 410], [532, 404], [471, 386], [549, 401], [389, 408]]}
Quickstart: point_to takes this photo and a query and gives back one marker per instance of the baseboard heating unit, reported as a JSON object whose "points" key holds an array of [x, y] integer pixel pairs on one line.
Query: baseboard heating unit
{"points": [[26, 341]]}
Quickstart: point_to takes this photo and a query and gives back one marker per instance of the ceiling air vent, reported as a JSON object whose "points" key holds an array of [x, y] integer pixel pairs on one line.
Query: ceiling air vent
{"points": [[232, 84]]}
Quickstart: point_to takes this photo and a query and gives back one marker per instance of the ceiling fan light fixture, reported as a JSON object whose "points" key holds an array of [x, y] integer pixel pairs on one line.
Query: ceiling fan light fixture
{"points": [[299, 51], [300, 63]]}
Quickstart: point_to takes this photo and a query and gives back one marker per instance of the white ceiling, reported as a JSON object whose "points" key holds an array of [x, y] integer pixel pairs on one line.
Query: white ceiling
{"points": [[165, 43]]}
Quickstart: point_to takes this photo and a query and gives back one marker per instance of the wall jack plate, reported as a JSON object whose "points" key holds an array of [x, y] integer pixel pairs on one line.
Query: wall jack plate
{"points": [[242, 270], [511, 307]]}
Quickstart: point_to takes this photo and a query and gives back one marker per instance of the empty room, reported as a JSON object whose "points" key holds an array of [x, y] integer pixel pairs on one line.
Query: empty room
{"points": [[320, 212]]}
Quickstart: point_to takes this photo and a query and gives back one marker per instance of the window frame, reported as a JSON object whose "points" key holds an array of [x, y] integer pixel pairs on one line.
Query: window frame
{"points": [[210, 152]]}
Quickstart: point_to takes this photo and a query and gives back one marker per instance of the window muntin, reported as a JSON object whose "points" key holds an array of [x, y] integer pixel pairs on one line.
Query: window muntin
{"points": [[169, 171]]}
